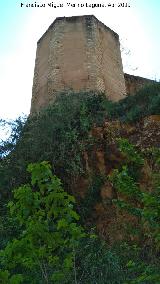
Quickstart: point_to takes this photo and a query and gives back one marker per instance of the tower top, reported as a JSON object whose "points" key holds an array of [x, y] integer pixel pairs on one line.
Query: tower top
{"points": [[77, 53], [75, 19]]}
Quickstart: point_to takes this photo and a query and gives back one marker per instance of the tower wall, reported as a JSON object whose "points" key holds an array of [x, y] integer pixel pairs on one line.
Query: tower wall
{"points": [[135, 83], [77, 53]]}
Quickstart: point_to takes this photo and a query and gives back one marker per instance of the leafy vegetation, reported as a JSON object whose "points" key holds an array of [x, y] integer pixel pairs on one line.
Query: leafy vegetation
{"points": [[133, 108], [57, 134], [41, 239], [144, 204], [60, 133], [50, 246], [44, 248], [92, 197]]}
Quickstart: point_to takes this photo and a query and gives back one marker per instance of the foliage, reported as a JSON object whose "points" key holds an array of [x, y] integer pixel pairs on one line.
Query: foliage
{"points": [[58, 134], [13, 130], [92, 197], [144, 204], [132, 108], [129, 151], [133, 160], [97, 263], [61, 134], [50, 246], [49, 231]]}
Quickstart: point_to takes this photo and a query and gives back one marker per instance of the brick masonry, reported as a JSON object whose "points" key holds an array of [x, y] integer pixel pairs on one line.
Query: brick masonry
{"points": [[135, 83], [78, 53]]}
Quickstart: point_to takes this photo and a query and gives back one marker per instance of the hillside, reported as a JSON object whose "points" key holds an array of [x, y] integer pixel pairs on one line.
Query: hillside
{"points": [[107, 156]]}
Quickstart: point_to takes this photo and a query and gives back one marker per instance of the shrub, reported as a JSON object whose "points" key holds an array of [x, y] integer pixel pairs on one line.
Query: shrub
{"points": [[45, 247]]}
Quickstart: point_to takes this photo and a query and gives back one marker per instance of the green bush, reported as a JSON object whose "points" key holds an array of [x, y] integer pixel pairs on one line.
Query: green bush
{"points": [[144, 204], [133, 108], [44, 250], [58, 134]]}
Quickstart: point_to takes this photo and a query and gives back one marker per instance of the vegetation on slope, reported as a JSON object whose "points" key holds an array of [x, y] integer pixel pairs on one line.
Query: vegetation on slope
{"points": [[133, 108], [49, 246], [61, 135]]}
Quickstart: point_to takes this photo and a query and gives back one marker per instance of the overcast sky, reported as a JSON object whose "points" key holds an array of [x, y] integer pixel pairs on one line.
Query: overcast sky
{"points": [[21, 27]]}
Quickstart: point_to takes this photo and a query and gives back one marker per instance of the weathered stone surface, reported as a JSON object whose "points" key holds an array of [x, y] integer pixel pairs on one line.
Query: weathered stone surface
{"points": [[135, 83], [78, 53]]}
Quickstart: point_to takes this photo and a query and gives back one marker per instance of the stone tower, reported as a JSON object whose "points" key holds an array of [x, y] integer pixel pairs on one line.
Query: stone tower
{"points": [[77, 53]]}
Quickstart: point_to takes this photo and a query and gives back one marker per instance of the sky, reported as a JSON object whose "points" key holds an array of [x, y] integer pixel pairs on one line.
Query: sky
{"points": [[21, 27]]}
